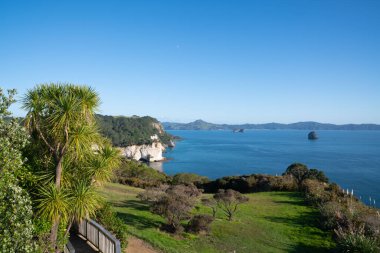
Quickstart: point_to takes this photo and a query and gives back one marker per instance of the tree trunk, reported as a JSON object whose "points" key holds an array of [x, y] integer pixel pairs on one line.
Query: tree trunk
{"points": [[55, 227], [54, 235], [58, 173], [69, 226]]}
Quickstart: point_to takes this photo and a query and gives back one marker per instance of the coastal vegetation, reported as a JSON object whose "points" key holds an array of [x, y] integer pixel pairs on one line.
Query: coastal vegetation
{"points": [[127, 131], [353, 224], [16, 226], [50, 169], [56, 168], [139, 174]]}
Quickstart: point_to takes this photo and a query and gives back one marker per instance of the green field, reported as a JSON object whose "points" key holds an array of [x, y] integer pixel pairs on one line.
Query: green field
{"points": [[269, 222]]}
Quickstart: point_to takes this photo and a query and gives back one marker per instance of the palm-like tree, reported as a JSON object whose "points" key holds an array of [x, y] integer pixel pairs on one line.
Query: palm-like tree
{"points": [[61, 119], [56, 113]]}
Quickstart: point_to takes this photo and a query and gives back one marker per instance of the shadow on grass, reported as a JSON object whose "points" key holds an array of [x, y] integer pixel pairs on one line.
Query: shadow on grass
{"points": [[303, 248], [309, 219], [132, 204], [139, 222], [297, 202], [306, 219]]}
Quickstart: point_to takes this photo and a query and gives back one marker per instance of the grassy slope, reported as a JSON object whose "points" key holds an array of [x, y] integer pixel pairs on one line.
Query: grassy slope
{"points": [[269, 222]]}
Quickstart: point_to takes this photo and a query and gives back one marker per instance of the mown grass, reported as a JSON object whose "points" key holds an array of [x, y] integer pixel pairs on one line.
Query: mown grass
{"points": [[269, 222]]}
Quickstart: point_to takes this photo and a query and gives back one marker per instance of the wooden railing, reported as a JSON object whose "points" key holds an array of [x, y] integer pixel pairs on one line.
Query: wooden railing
{"points": [[68, 248], [98, 236]]}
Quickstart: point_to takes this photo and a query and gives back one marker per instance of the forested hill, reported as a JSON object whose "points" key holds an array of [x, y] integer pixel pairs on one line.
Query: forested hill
{"points": [[126, 131], [310, 125]]}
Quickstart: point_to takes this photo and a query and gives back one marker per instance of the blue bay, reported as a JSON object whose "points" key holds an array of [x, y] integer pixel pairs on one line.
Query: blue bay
{"points": [[349, 158]]}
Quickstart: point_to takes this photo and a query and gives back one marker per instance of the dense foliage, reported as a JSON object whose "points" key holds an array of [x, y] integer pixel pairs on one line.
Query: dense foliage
{"points": [[250, 183], [357, 226], [126, 131], [200, 223], [189, 178], [301, 172], [16, 226], [108, 218], [138, 174]]}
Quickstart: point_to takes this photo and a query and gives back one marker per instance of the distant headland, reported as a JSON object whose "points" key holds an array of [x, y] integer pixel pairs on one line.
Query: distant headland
{"points": [[308, 125]]}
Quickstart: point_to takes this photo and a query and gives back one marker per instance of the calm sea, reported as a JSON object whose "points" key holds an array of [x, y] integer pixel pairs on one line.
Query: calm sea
{"points": [[349, 158]]}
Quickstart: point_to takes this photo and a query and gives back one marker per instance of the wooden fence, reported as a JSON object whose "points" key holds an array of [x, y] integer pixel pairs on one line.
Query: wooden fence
{"points": [[98, 236], [68, 248]]}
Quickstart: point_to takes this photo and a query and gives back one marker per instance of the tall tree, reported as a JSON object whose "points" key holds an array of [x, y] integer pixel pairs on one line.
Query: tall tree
{"points": [[61, 121]]}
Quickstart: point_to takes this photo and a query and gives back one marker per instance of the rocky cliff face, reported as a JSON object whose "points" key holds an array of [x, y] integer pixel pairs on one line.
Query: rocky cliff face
{"points": [[149, 152]]}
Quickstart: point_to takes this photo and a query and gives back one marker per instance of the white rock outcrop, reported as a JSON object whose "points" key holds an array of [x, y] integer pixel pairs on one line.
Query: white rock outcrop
{"points": [[151, 153]]}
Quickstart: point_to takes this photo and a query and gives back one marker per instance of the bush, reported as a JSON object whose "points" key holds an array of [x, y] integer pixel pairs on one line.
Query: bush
{"points": [[189, 178], [200, 223], [228, 201], [282, 183], [174, 203], [251, 183], [316, 192], [16, 227], [139, 175], [107, 217], [300, 173], [357, 241], [332, 214]]}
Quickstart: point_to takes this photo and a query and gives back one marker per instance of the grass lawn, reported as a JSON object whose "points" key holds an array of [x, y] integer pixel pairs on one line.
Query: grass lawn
{"points": [[269, 222]]}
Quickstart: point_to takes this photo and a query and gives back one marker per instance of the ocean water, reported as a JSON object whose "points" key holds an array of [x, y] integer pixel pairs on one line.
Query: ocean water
{"points": [[349, 158]]}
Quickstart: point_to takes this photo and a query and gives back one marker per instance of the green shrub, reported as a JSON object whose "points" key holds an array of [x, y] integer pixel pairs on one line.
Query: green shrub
{"points": [[107, 218], [282, 183], [316, 192], [189, 178], [332, 214], [138, 175], [16, 227], [199, 223], [357, 243], [251, 183]]}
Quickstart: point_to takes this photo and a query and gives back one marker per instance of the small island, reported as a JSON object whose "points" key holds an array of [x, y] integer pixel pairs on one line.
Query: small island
{"points": [[312, 135]]}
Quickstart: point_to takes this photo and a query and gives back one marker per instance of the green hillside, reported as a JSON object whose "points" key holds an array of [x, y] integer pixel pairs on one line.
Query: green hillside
{"points": [[269, 222], [125, 131]]}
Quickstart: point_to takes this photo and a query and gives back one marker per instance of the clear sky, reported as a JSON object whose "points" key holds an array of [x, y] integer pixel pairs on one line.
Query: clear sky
{"points": [[221, 61]]}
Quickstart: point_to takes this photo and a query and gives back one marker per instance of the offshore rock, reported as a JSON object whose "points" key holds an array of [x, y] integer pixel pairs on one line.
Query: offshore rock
{"points": [[312, 135], [171, 144]]}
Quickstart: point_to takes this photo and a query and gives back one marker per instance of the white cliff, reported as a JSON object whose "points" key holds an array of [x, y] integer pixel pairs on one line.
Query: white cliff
{"points": [[149, 152]]}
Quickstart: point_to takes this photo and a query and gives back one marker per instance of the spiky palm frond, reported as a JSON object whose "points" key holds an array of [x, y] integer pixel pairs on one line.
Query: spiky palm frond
{"points": [[53, 203], [85, 200], [102, 164], [111, 156], [83, 139]]}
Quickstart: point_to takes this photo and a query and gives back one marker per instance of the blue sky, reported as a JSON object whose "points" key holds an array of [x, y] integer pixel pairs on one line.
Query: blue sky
{"points": [[221, 61]]}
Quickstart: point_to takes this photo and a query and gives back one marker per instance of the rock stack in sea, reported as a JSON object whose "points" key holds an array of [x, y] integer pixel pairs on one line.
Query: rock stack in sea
{"points": [[312, 135]]}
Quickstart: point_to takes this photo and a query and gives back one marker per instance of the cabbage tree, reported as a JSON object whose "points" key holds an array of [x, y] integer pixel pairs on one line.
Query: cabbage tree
{"points": [[60, 118]]}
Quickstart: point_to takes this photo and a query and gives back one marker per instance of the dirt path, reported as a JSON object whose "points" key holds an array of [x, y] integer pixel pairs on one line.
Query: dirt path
{"points": [[136, 245]]}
